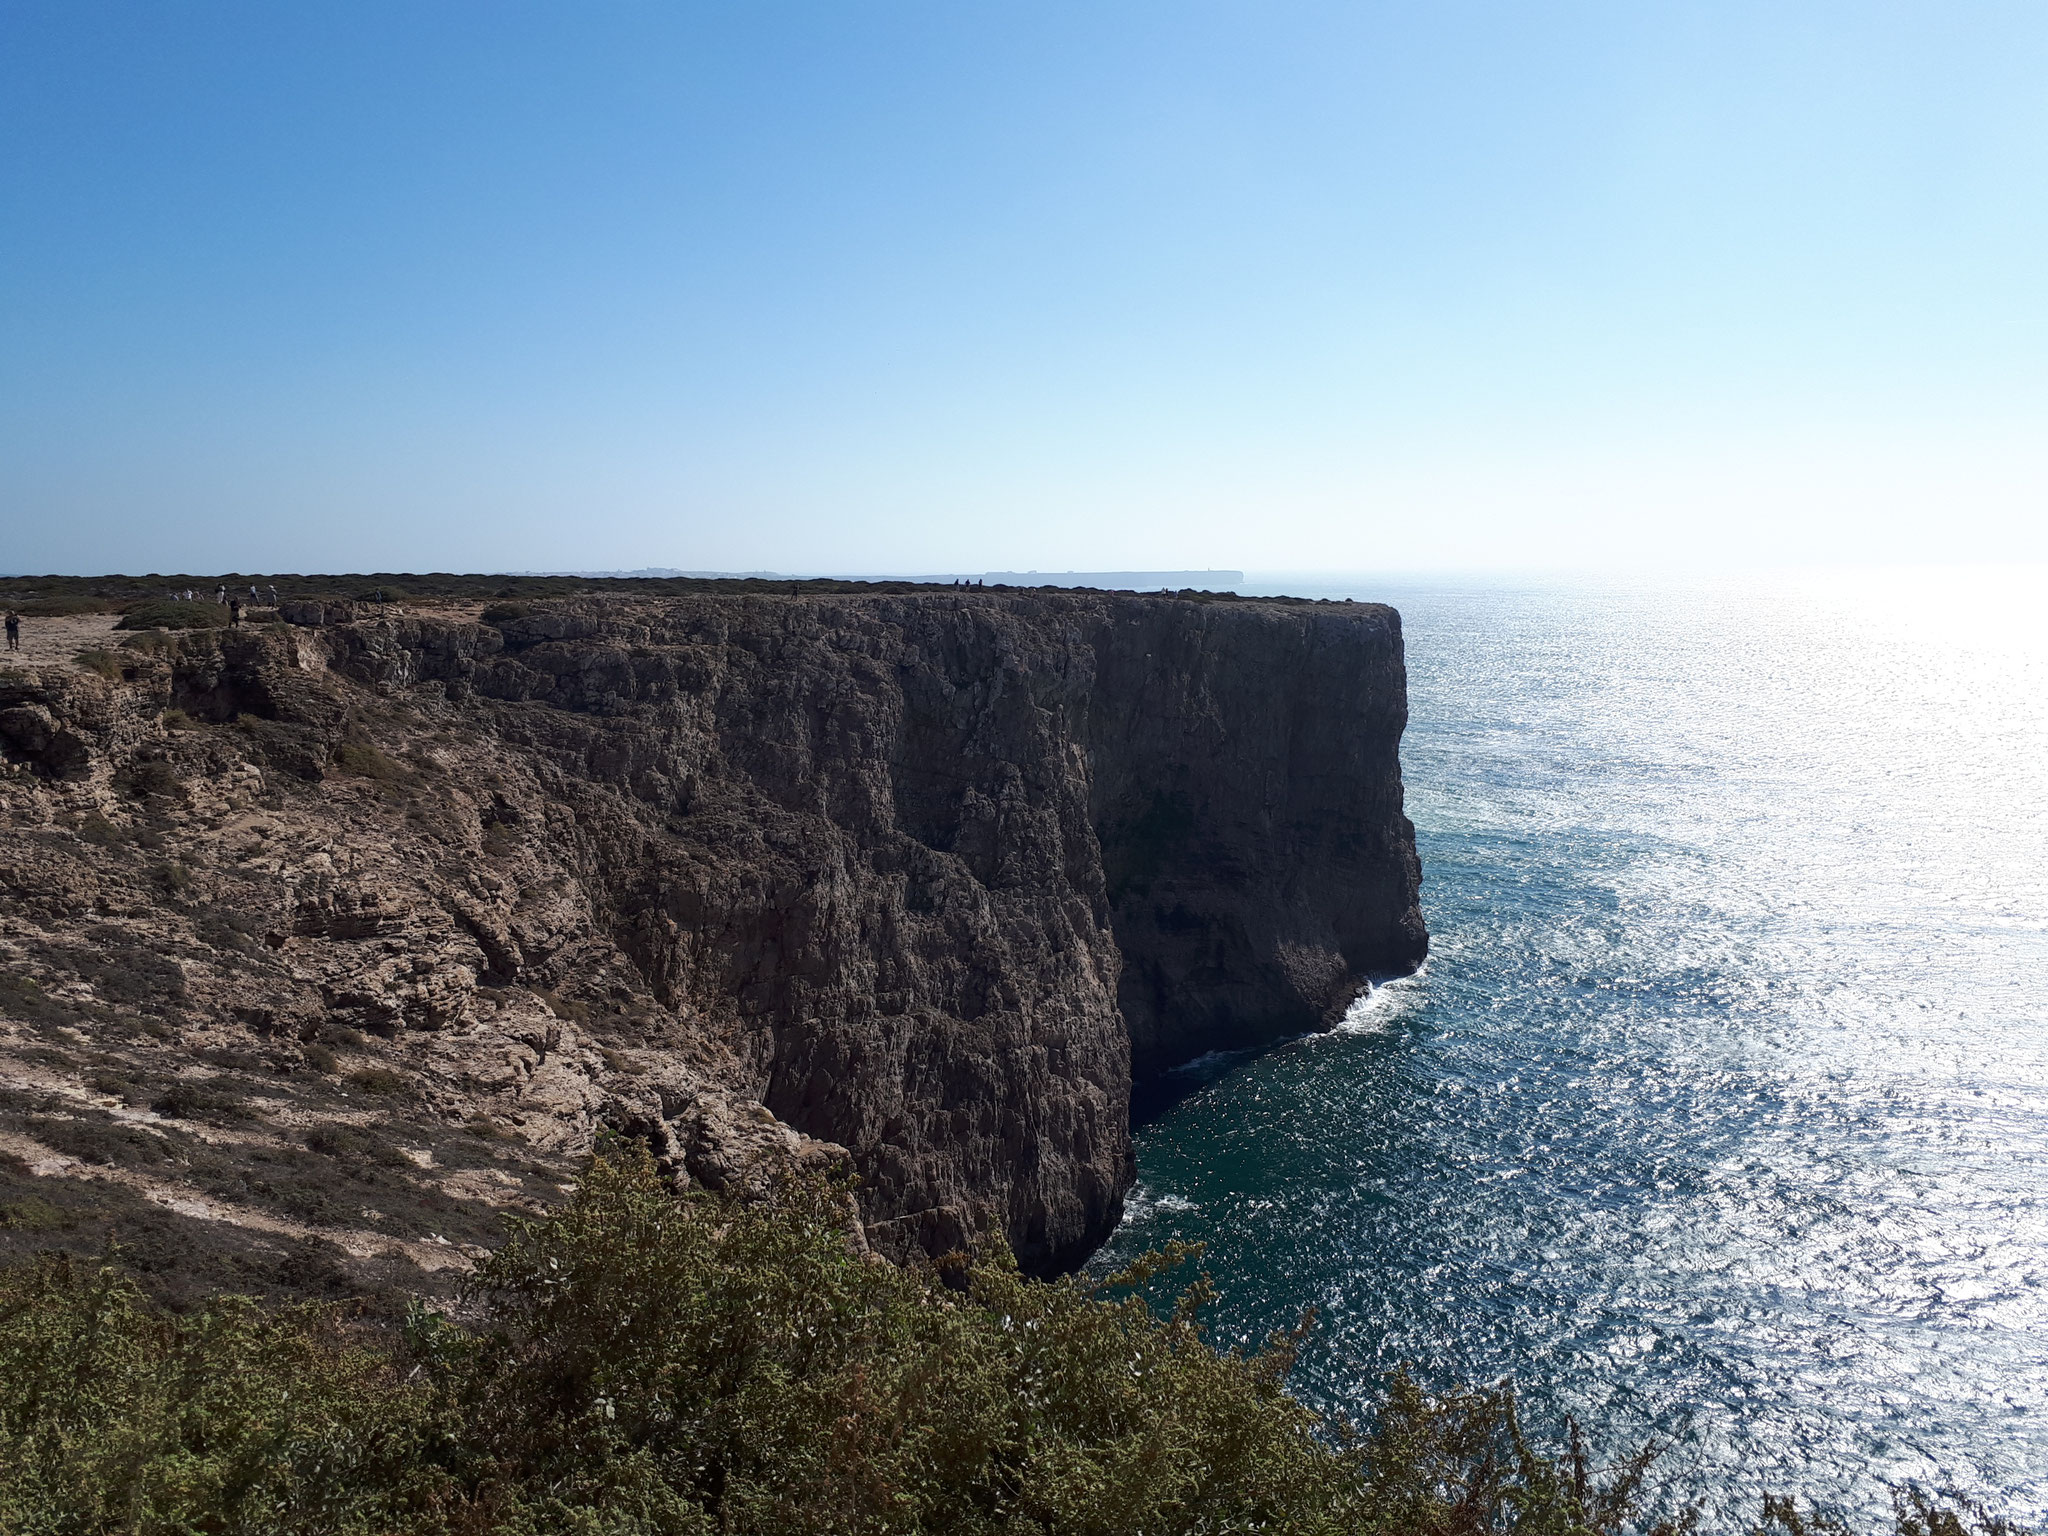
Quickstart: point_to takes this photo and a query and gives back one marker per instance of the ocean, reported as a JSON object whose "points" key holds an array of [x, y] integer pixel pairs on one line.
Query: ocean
{"points": [[1720, 1112]]}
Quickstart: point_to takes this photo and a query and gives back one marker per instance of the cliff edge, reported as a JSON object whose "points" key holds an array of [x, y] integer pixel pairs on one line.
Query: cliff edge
{"points": [[912, 881]]}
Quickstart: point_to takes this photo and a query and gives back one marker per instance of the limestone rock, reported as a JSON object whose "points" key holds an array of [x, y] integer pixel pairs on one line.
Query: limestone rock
{"points": [[909, 884]]}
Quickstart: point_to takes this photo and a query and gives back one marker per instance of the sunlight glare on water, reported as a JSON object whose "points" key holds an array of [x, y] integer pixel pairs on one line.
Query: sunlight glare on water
{"points": [[1721, 1110]]}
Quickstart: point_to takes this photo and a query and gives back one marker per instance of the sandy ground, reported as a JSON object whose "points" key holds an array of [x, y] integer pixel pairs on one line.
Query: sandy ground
{"points": [[57, 642]]}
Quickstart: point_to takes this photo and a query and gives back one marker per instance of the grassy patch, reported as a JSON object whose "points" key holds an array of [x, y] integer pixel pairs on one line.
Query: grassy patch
{"points": [[352, 1141], [175, 613], [65, 607], [114, 1085], [362, 759], [564, 1007], [32, 1213], [148, 777], [106, 663], [123, 971], [201, 1101], [24, 998], [101, 833], [230, 930], [381, 1082], [100, 1141]]}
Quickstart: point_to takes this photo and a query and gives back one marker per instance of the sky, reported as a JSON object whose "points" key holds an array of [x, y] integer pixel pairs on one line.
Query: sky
{"points": [[898, 287]]}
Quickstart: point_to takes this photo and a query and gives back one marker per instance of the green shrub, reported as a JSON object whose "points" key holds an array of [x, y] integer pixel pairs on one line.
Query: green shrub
{"points": [[23, 997], [114, 1085], [200, 1101], [174, 613], [100, 1141], [349, 1141], [97, 830], [641, 1362], [124, 972], [114, 1418], [503, 613], [106, 663], [381, 1081], [361, 757], [145, 777], [32, 1213]]}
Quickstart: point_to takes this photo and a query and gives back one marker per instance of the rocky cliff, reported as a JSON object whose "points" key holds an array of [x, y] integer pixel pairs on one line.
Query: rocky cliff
{"points": [[912, 881]]}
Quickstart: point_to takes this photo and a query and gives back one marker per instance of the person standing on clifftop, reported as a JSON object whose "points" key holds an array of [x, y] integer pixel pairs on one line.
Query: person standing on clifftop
{"points": [[13, 630], [235, 612]]}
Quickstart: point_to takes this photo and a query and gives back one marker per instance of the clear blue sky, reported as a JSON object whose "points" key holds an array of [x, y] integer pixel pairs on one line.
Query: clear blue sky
{"points": [[888, 286]]}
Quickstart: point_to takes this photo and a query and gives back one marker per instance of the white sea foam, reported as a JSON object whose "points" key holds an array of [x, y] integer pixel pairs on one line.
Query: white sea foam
{"points": [[1381, 1007], [1141, 1204]]}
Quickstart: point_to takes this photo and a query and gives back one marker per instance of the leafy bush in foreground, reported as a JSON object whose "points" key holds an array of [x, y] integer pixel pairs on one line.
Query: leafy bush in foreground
{"points": [[643, 1363]]}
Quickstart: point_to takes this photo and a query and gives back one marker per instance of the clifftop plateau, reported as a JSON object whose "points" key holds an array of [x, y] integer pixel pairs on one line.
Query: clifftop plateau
{"points": [[329, 936]]}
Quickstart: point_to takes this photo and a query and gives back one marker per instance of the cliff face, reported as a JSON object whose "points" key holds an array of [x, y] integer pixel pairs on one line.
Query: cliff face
{"points": [[1246, 792], [927, 876]]}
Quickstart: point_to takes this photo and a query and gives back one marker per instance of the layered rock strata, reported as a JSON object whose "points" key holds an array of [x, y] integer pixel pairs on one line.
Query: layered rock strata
{"points": [[911, 882]]}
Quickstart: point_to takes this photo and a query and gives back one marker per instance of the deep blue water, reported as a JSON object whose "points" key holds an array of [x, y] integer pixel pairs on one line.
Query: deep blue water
{"points": [[1721, 1109]]}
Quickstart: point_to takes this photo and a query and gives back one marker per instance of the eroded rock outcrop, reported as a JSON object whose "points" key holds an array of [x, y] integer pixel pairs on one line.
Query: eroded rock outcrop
{"points": [[920, 877]]}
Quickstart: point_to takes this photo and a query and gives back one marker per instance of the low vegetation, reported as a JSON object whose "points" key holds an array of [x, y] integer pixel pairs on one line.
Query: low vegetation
{"points": [[65, 607], [52, 594], [639, 1362], [360, 757], [174, 613]]}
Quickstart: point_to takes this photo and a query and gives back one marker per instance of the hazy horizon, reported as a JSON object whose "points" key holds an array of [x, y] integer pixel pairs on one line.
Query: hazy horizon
{"points": [[909, 287]]}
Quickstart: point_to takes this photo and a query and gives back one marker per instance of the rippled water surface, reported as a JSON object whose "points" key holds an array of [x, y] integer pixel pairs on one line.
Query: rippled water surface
{"points": [[1721, 1110]]}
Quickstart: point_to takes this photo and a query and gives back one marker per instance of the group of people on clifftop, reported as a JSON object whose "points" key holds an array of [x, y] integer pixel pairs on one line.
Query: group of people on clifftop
{"points": [[234, 605]]}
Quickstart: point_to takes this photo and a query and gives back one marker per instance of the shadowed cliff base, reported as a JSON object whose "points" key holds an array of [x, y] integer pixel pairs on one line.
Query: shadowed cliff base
{"points": [[912, 878]]}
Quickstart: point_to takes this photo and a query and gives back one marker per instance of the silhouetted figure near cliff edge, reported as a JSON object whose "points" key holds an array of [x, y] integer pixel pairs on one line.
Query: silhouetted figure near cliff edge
{"points": [[235, 612], [13, 630]]}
